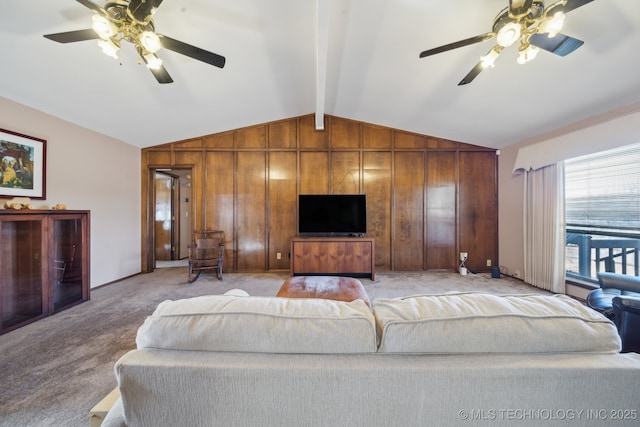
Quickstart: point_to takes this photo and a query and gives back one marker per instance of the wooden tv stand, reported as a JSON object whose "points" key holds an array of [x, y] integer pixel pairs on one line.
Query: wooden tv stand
{"points": [[332, 256]]}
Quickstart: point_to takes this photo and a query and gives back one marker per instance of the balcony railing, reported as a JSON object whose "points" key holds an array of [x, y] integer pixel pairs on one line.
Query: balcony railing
{"points": [[590, 250]]}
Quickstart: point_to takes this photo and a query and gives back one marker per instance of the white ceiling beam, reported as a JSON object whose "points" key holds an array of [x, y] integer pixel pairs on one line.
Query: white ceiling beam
{"points": [[322, 45]]}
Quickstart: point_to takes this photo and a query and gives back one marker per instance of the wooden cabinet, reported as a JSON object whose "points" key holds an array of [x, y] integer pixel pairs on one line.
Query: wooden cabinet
{"points": [[337, 256], [44, 260]]}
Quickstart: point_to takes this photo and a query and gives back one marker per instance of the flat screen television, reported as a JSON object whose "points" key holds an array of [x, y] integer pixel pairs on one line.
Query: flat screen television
{"points": [[331, 214]]}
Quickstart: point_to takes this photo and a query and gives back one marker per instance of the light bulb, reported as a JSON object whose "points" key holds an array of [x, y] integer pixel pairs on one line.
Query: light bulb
{"points": [[553, 25], [508, 34], [152, 61], [109, 48], [103, 26], [150, 41], [527, 54], [490, 58]]}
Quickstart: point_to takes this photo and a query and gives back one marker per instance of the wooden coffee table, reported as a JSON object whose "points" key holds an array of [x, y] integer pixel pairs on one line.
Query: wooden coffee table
{"points": [[328, 287]]}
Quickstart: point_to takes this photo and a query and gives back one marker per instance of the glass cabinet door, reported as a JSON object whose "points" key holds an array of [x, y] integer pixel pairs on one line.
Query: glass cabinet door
{"points": [[21, 267], [67, 262]]}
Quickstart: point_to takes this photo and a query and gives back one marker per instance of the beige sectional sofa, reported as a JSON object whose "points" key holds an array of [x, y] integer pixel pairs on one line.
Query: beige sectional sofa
{"points": [[456, 359]]}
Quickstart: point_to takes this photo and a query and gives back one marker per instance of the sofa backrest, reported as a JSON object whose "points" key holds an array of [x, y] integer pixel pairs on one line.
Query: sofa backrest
{"points": [[456, 322], [239, 323], [484, 323]]}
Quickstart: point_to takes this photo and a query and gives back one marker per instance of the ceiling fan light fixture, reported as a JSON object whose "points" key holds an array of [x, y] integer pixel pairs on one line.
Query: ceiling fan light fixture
{"points": [[103, 27], [527, 54], [509, 34], [488, 61], [152, 61], [109, 48], [552, 25], [150, 41]]}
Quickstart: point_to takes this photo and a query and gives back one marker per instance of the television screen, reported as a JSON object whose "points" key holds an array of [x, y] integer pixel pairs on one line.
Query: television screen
{"points": [[332, 214]]}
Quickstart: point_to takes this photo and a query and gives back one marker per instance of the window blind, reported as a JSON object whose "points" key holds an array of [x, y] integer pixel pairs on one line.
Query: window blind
{"points": [[603, 189]]}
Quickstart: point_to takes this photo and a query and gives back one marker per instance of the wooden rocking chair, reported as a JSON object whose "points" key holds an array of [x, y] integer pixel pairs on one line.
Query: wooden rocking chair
{"points": [[206, 253]]}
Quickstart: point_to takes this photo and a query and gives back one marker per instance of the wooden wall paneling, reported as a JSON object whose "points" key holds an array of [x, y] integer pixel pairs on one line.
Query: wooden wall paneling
{"points": [[188, 143], [158, 158], [345, 133], [440, 223], [194, 160], [309, 137], [408, 229], [345, 172], [478, 208], [251, 221], [405, 176], [220, 200], [437, 143], [252, 137], [219, 140], [376, 184], [314, 172], [376, 137], [282, 207], [404, 140], [283, 134]]}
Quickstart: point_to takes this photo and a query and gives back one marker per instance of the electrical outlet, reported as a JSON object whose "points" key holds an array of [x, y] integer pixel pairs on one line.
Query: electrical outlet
{"points": [[463, 256], [516, 273], [488, 263], [279, 255]]}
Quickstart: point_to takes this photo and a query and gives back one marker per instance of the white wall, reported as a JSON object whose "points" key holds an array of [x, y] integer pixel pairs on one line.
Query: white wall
{"points": [[510, 214], [89, 171]]}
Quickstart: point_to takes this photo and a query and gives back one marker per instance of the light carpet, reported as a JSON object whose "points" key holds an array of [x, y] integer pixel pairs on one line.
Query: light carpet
{"points": [[55, 370]]}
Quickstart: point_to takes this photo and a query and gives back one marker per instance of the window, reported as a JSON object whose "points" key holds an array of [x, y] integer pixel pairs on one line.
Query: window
{"points": [[602, 208]]}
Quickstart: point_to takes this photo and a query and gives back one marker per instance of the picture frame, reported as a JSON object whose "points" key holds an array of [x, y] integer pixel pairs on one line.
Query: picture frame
{"points": [[23, 165]]}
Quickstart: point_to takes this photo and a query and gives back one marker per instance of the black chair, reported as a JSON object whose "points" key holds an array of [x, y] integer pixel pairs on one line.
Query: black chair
{"points": [[626, 311], [612, 285], [206, 253]]}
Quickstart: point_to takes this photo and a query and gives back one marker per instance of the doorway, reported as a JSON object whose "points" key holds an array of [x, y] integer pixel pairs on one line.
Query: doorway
{"points": [[172, 215]]}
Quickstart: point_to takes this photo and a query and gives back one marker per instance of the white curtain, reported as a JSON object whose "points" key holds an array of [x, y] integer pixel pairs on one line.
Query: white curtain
{"points": [[544, 228]]}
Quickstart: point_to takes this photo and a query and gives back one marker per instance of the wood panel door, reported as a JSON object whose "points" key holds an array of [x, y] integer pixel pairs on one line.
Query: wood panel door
{"points": [[220, 200], [440, 221], [408, 233], [282, 207], [251, 211], [376, 181], [478, 216], [164, 217]]}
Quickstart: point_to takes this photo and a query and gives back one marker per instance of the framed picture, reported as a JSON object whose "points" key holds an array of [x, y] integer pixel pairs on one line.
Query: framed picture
{"points": [[23, 161]]}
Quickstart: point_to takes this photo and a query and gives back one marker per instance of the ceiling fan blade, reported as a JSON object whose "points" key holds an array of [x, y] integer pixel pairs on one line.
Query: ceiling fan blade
{"points": [[519, 7], [571, 5], [142, 10], [472, 74], [93, 6], [161, 74], [73, 36], [455, 45], [561, 45], [192, 51]]}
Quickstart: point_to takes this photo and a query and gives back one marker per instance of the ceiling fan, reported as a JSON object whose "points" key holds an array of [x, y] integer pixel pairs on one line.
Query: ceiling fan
{"points": [[529, 22], [132, 20]]}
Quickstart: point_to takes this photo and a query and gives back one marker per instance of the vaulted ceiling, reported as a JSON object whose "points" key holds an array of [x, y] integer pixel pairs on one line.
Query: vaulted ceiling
{"points": [[356, 59]]}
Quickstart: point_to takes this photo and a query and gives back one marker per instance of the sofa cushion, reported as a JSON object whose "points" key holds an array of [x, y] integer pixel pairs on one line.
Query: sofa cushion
{"points": [[485, 323], [260, 324]]}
